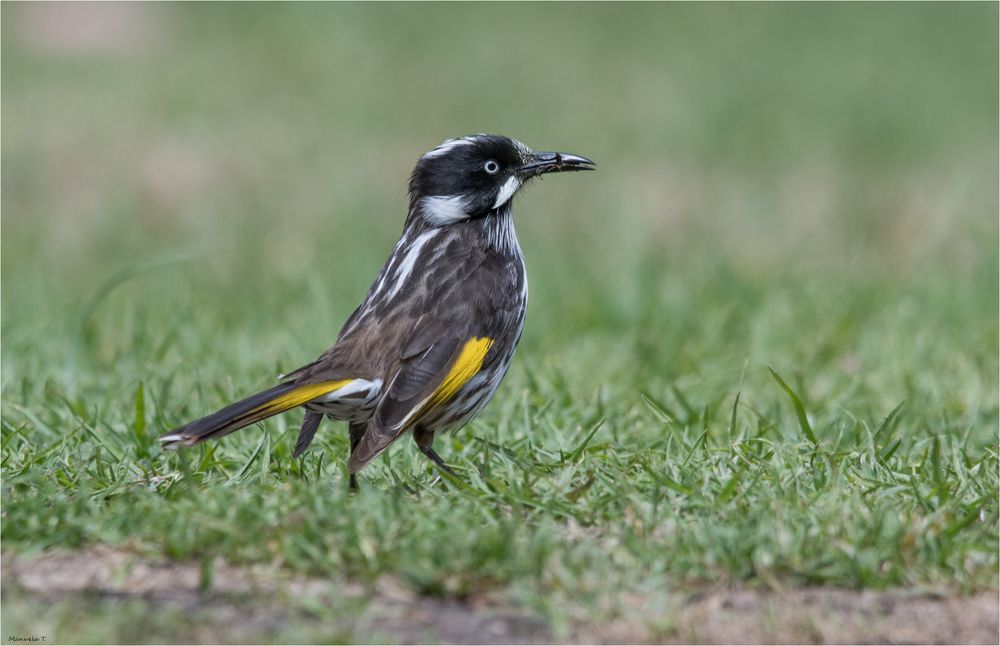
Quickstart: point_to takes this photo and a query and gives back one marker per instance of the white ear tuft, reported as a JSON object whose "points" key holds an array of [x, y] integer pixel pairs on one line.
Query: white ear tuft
{"points": [[441, 209]]}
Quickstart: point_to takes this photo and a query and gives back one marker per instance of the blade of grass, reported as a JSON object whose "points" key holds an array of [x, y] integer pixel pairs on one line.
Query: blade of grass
{"points": [[659, 410], [890, 421], [249, 463], [800, 410]]}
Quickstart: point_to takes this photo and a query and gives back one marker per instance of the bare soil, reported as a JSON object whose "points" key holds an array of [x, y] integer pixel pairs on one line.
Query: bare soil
{"points": [[239, 604]]}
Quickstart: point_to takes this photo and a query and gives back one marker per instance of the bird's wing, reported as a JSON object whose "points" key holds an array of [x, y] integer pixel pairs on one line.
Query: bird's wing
{"points": [[424, 381], [334, 363]]}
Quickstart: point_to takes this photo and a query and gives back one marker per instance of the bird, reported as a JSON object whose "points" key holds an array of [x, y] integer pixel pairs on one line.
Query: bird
{"points": [[433, 337]]}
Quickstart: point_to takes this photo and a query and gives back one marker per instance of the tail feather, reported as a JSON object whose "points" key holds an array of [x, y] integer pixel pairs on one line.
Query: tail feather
{"points": [[247, 411], [309, 425]]}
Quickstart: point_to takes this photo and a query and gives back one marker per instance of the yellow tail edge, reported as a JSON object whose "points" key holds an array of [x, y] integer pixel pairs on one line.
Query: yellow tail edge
{"points": [[301, 395]]}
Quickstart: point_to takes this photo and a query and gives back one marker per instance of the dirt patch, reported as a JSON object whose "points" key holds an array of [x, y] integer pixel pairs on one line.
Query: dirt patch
{"points": [[239, 604], [821, 615], [230, 604]]}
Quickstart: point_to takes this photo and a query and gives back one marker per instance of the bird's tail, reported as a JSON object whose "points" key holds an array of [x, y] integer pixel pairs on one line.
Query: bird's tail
{"points": [[247, 411]]}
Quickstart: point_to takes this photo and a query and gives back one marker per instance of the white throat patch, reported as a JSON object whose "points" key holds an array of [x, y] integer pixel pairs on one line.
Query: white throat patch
{"points": [[442, 209], [507, 191]]}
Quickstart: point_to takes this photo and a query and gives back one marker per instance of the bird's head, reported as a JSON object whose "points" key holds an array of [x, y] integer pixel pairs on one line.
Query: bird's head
{"points": [[474, 176]]}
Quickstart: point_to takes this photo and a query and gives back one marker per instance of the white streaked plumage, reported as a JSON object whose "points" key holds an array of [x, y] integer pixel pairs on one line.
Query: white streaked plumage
{"points": [[406, 266], [393, 259], [353, 402], [500, 234]]}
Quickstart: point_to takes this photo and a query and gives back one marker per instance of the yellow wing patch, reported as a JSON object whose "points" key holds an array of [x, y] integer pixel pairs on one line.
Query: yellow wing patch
{"points": [[469, 362], [300, 396]]}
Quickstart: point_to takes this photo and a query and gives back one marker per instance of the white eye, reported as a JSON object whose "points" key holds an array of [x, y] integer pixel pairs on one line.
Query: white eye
{"points": [[491, 167]]}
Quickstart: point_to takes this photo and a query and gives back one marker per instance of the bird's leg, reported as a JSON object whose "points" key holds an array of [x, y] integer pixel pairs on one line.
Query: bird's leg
{"points": [[425, 440], [357, 431]]}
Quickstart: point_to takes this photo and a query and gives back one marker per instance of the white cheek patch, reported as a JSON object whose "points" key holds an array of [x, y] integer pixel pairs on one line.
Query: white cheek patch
{"points": [[441, 210], [507, 191]]}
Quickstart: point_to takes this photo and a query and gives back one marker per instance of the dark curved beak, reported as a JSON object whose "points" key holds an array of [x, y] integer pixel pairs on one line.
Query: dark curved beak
{"points": [[546, 162]]}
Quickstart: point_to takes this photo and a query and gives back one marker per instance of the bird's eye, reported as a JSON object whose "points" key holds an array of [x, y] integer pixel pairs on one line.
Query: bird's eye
{"points": [[491, 167]]}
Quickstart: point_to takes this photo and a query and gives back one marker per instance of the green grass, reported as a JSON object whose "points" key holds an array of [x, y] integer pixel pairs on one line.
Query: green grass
{"points": [[762, 340]]}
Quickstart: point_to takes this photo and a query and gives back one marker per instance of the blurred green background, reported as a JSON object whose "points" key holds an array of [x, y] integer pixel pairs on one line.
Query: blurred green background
{"points": [[195, 196], [269, 147]]}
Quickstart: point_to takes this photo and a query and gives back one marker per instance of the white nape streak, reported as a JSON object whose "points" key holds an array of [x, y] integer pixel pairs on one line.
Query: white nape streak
{"points": [[387, 271], [449, 144], [443, 209], [507, 191], [379, 285], [406, 266]]}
